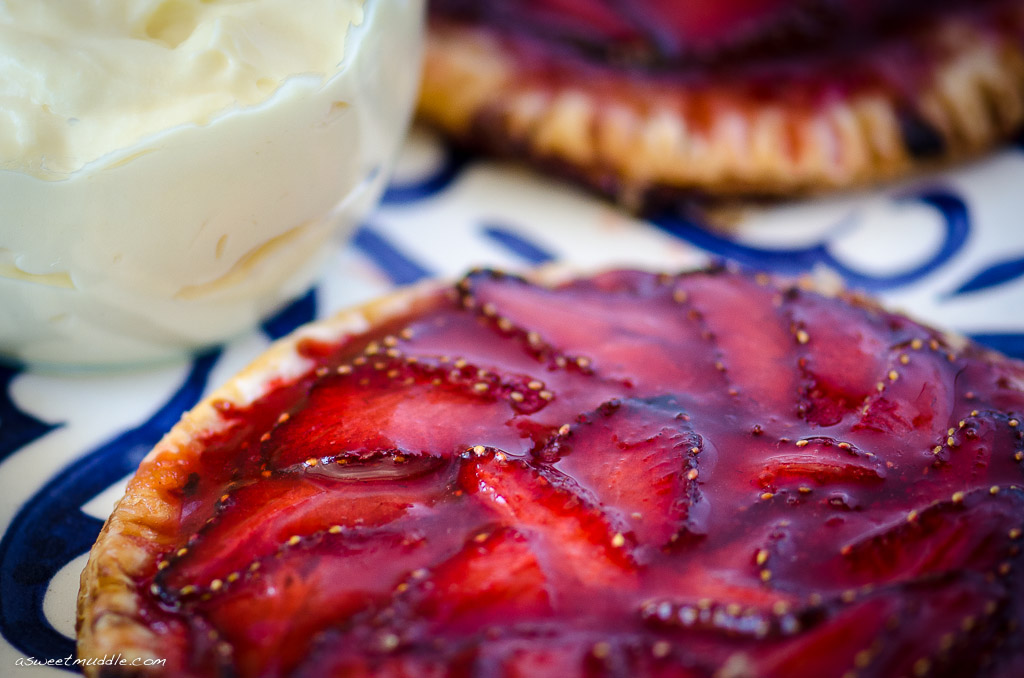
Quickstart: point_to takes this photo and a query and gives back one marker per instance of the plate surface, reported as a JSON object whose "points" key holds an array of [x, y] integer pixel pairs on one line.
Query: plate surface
{"points": [[947, 248]]}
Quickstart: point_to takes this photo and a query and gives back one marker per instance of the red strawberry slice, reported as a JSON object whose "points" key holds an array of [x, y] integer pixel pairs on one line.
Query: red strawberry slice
{"points": [[553, 654], [495, 577], [547, 654], [823, 471], [443, 339], [969, 622], [254, 520], [969, 531], [345, 661], [914, 398], [759, 365], [268, 616], [967, 457], [637, 334], [382, 404], [577, 540], [844, 352], [536, 660], [640, 464], [1001, 381], [880, 633], [821, 461], [545, 389]]}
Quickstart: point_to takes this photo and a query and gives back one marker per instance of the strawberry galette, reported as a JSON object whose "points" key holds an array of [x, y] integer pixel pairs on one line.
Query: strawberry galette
{"points": [[629, 475], [654, 100]]}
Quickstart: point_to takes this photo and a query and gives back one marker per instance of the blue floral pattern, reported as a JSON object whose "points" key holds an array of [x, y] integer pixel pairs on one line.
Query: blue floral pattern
{"points": [[806, 259]]}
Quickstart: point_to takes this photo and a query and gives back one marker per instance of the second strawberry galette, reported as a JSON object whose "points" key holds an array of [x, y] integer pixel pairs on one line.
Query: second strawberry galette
{"points": [[707, 474], [654, 100]]}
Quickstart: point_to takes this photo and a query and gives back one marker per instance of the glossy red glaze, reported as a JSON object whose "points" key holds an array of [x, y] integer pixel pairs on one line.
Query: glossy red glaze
{"points": [[631, 475]]}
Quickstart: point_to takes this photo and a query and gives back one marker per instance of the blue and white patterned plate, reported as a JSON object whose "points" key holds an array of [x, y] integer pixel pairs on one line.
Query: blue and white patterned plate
{"points": [[949, 249]]}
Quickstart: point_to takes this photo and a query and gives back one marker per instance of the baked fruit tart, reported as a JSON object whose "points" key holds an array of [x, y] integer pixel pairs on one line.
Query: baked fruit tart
{"points": [[705, 474], [655, 100]]}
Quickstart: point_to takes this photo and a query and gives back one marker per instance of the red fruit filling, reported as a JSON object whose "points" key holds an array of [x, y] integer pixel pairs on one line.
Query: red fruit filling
{"points": [[640, 461], [694, 475], [653, 31]]}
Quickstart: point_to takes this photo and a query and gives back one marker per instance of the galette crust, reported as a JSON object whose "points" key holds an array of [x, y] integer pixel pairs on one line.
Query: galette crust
{"points": [[633, 138]]}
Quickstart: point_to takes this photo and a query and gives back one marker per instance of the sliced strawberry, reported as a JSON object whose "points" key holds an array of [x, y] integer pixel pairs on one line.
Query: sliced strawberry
{"points": [[821, 461], [495, 577], [980, 374], [254, 520], [913, 401], [511, 651], [967, 532], [639, 462], [823, 471], [577, 540], [566, 654], [382, 404], [545, 389], [750, 564], [353, 662], [880, 633], [844, 352], [759, 365], [269, 615], [827, 649], [554, 653], [978, 451], [968, 613], [443, 339], [536, 660], [638, 334]]}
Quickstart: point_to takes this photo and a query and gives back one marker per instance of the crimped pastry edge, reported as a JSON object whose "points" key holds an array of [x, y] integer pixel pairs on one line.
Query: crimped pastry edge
{"points": [[975, 100]]}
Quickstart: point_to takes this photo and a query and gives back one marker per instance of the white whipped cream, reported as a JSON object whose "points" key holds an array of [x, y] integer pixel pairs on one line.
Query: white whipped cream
{"points": [[170, 170]]}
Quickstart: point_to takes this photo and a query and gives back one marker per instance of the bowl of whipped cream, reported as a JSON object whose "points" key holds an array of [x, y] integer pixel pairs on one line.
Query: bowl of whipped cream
{"points": [[171, 171]]}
